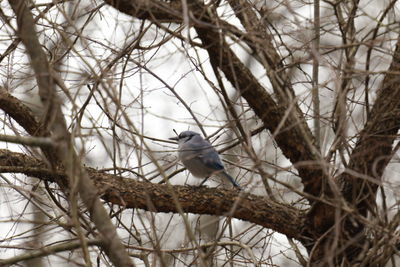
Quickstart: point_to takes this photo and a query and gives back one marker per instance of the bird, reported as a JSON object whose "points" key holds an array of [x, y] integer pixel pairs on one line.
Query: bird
{"points": [[200, 157]]}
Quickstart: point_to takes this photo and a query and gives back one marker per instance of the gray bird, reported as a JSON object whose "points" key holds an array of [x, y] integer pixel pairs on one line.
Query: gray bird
{"points": [[200, 157]]}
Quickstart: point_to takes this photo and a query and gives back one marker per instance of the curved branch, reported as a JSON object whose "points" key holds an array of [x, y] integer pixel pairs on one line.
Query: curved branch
{"points": [[23, 116]]}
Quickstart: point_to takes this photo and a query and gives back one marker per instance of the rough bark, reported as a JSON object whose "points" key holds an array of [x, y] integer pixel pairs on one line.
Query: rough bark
{"points": [[132, 193]]}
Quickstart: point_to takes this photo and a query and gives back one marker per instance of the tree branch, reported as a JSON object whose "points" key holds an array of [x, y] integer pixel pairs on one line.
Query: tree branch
{"points": [[45, 251], [373, 150], [27, 140], [369, 158], [131, 193], [23, 116]]}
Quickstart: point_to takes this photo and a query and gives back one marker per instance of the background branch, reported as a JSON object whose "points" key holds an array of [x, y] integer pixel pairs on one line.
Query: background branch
{"points": [[54, 121]]}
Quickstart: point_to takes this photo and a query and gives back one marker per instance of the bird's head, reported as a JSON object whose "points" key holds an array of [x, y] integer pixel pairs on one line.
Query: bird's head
{"points": [[184, 136]]}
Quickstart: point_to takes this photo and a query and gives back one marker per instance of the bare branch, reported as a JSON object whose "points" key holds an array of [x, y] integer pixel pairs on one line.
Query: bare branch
{"points": [[49, 250], [26, 140], [131, 193], [373, 150]]}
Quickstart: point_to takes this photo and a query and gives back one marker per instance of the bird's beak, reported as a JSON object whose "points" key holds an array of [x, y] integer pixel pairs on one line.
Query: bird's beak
{"points": [[174, 138]]}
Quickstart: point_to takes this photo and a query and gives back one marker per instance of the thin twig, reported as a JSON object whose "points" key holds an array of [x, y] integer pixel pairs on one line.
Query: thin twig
{"points": [[27, 140], [45, 251]]}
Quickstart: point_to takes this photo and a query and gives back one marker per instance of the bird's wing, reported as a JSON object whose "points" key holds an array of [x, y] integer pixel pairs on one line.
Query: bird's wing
{"points": [[211, 160], [205, 152]]}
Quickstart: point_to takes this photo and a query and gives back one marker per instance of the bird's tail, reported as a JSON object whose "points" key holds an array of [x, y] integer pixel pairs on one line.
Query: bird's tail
{"points": [[230, 179]]}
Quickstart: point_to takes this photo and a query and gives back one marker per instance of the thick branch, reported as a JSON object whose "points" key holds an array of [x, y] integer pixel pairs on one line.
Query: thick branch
{"points": [[373, 150], [369, 158], [131, 193], [23, 115]]}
